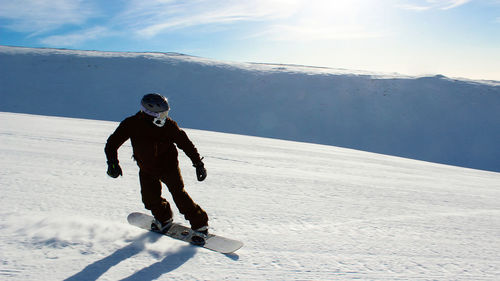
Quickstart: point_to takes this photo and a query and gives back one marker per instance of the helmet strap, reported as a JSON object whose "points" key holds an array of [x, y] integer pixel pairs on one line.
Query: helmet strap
{"points": [[159, 121]]}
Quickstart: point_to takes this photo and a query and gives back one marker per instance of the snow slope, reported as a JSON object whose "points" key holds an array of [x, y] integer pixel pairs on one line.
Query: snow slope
{"points": [[305, 211], [431, 118]]}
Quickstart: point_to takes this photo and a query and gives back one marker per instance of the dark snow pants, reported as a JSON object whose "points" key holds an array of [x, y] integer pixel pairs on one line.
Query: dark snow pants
{"points": [[160, 208]]}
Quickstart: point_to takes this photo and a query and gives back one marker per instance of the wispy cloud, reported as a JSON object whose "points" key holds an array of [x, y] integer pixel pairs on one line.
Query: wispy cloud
{"points": [[281, 19], [424, 5], [38, 16], [304, 20], [278, 19], [151, 17], [73, 39]]}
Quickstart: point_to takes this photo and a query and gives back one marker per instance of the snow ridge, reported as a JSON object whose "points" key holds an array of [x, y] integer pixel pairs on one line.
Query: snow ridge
{"points": [[432, 118]]}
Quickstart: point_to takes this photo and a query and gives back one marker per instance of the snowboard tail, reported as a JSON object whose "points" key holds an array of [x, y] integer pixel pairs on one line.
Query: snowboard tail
{"points": [[180, 232]]}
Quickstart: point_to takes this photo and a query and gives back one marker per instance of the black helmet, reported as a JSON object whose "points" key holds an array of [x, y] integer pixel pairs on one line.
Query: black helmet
{"points": [[155, 103]]}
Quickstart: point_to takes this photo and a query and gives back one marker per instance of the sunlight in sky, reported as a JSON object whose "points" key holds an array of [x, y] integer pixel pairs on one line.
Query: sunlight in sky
{"points": [[408, 36], [329, 20]]}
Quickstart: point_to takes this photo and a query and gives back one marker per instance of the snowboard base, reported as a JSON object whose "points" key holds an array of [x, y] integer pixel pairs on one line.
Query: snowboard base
{"points": [[180, 232]]}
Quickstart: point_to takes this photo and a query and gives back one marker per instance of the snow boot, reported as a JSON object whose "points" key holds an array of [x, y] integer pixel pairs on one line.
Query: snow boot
{"points": [[200, 236], [202, 230], [162, 227]]}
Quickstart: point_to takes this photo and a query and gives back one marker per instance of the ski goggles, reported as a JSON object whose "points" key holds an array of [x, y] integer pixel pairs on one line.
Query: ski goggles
{"points": [[160, 117]]}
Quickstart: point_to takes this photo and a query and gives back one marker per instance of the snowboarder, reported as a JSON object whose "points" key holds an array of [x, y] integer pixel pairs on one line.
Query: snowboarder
{"points": [[153, 136]]}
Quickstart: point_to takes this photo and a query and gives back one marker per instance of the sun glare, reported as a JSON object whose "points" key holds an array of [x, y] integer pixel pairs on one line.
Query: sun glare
{"points": [[324, 20]]}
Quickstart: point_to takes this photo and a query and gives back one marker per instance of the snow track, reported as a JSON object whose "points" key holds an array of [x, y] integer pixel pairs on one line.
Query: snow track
{"points": [[304, 211]]}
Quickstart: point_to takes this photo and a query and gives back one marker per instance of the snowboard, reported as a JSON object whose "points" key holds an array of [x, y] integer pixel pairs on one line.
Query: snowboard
{"points": [[180, 232]]}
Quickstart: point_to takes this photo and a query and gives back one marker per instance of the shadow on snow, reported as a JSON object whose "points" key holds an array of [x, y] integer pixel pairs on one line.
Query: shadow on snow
{"points": [[169, 263]]}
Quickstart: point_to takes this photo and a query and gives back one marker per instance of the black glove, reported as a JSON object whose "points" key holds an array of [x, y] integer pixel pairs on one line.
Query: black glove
{"points": [[201, 172], [114, 169]]}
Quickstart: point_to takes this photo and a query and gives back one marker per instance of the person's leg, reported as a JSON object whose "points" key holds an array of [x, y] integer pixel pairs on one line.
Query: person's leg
{"points": [[196, 216], [151, 197]]}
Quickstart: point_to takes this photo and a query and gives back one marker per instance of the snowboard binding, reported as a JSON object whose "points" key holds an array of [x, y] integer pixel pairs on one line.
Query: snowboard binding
{"points": [[161, 227]]}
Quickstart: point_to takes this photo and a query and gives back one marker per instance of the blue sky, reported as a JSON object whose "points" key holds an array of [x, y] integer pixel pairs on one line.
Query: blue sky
{"points": [[456, 38]]}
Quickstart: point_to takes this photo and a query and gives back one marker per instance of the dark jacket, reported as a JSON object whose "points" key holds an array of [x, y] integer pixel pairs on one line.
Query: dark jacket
{"points": [[153, 146]]}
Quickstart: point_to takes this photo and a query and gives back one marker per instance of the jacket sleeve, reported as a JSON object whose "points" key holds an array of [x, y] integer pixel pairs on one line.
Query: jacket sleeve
{"points": [[183, 142], [116, 139]]}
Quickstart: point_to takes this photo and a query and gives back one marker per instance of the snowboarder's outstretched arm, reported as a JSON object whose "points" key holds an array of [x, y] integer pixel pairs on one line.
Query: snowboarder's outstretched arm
{"points": [[111, 149]]}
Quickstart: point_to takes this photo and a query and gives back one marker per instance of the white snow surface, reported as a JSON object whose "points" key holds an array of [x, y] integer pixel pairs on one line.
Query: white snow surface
{"points": [[304, 211], [431, 118]]}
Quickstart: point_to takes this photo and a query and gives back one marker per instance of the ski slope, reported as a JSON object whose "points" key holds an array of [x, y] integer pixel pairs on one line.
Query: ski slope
{"points": [[304, 211]]}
